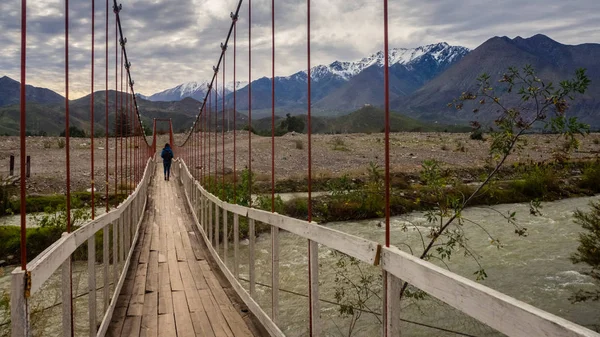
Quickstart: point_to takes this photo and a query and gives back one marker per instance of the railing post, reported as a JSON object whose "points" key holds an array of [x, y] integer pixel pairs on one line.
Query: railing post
{"points": [[217, 228], [210, 222], [313, 265], [391, 305], [252, 240], [275, 274], [67, 310], [236, 245], [19, 313], [106, 261], [92, 284], [225, 238]]}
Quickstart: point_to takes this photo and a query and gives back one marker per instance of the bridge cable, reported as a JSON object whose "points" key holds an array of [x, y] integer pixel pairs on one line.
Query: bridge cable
{"points": [[92, 112], [22, 136], [106, 115]]}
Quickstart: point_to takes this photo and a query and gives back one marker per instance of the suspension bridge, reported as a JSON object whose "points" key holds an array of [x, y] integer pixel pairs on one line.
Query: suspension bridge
{"points": [[168, 260]]}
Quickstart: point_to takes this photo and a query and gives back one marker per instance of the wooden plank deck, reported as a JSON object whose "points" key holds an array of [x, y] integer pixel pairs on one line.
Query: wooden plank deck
{"points": [[170, 289]]}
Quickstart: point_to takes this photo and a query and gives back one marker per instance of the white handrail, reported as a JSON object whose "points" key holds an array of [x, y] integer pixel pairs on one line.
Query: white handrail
{"points": [[501, 312]]}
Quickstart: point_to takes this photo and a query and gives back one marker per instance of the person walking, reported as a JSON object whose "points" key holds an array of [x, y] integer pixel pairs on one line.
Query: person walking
{"points": [[167, 156]]}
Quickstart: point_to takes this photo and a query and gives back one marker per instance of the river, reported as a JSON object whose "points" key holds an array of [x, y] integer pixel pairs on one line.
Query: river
{"points": [[535, 269]]}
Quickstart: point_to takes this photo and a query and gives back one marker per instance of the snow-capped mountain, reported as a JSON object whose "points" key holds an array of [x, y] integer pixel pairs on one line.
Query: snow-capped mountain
{"points": [[441, 53], [194, 89], [412, 67]]}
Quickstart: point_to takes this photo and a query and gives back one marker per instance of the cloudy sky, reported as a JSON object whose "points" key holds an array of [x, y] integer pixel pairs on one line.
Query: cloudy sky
{"points": [[171, 42]]}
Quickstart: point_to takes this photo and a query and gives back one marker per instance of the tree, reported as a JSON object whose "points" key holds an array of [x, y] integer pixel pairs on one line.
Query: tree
{"points": [[588, 251], [123, 125], [74, 132], [292, 124], [539, 103]]}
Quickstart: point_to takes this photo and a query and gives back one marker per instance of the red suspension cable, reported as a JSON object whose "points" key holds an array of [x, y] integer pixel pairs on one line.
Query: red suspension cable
{"points": [[250, 103], [234, 109], [92, 110], [272, 105], [106, 185], [387, 122], [308, 80], [116, 110], [22, 134], [216, 130], [121, 116], [223, 127]]}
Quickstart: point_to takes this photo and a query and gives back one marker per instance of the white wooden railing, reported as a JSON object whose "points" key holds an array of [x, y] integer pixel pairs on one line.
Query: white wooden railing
{"points": [[499, 311], [124, 222]]}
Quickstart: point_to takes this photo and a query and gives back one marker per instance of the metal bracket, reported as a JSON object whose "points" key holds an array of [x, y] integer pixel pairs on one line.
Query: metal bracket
{"points": [[123, 41], [223, 47], [215, 69], [233, 17], [117, 9], [27, 284]]}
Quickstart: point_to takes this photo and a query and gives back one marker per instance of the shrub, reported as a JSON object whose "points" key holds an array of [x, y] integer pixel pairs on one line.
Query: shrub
{"points": [[61, 143], [477, 134], [339, 144], [591, 176], [596, 141], [299, 144], [537, 182]]}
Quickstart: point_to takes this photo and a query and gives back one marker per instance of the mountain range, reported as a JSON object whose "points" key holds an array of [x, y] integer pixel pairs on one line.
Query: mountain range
{"points": [[423, 81]]}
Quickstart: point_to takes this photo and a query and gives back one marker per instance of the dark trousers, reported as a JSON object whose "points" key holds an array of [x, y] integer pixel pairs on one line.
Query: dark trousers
{"points": [[167, 167]]}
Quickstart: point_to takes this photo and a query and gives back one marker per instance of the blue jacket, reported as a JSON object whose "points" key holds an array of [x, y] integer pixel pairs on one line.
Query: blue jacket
{"points": [[167, 154]]}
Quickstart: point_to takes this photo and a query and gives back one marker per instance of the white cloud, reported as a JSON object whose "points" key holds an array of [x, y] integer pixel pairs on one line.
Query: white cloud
{"points": [[174, 42]]}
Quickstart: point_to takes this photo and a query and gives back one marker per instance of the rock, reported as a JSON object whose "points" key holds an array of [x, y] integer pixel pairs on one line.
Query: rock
{"points": [[3, 263]]}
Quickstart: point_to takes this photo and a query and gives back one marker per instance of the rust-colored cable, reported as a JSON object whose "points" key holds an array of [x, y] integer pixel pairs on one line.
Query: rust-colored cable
{"points": [[106, 185], [272, 105], [121, 122], [223, 128], [309, 131], [92, 111], [68, 149], [208, 149], [386, 76], [116, 111], [250, 103], [216, 129], [234, 108], [22, 135]]}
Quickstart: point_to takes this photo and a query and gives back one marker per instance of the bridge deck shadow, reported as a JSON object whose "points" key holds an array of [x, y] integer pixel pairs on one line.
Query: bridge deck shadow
{"points": [[171, 288]]}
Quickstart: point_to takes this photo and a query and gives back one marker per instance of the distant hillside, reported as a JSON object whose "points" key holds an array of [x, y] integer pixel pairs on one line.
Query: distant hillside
{"points": [[368, 119], [552, 61], [10, 93]]}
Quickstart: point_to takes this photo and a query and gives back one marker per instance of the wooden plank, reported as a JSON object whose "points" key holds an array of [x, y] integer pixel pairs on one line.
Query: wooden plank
{"points": [[202, 324], [215, 287], [136, 305], [152, 276], [131, 327], [92, 286], [155, 242], [185, 239], [166, 325], [197, 274], [165, 301], [145, 249], [183, 321], [236, 323], [149, 326], [218, 324], [180, 252], [195, 243], [191, 292], [501, 312]]}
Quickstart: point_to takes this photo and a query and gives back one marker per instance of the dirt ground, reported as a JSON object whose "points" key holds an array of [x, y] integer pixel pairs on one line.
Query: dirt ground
{"points": [[332, 155]]}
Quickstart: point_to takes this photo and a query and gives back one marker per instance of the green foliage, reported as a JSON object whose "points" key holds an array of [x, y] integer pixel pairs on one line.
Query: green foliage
{"points": [[292, 124], [339, 144], [537, 182], [477, 134], [74, 132], [61, 143], [357, 290], [588, 251], [591, 176]]}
